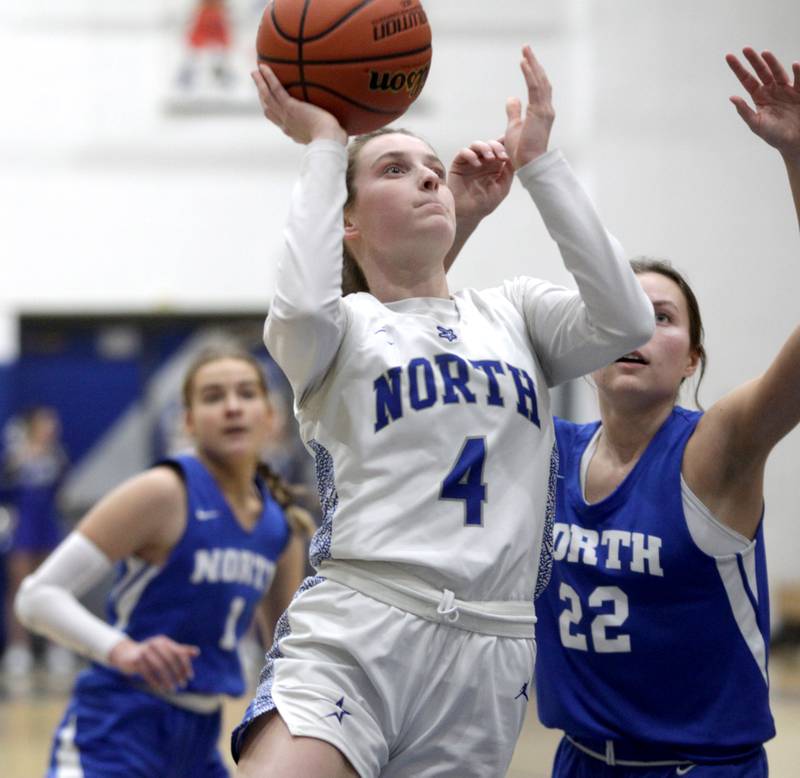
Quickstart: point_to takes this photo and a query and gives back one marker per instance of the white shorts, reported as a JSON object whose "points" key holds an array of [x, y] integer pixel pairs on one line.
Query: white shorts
{"points": [[397, 694]]}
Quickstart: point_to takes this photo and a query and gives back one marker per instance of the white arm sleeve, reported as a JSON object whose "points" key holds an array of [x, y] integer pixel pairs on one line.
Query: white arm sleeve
{"points": [[306, 322], [47, 601], [611, 315]]}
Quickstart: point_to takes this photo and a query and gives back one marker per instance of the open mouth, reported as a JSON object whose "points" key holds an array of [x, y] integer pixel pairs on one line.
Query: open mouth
{"points": [[634, 358]]}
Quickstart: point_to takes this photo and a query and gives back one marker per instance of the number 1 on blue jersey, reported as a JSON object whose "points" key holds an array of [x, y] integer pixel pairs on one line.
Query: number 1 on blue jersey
{"points": [[465, 480]]}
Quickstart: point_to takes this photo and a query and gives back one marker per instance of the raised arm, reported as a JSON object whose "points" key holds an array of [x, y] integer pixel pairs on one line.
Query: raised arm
{"points": [[573, 333], [481, 174], [725, 459], [306, 322], [776, 118]]}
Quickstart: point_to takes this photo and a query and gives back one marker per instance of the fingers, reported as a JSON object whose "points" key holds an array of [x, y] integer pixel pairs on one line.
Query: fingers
{"points": [[479, 151], [481, 156], [746, 78], [166, 665], [271, 94], [535, 77], [513, 109], [796, 71], [745, 111], [758, 64], [767, 67], [775, 67]]}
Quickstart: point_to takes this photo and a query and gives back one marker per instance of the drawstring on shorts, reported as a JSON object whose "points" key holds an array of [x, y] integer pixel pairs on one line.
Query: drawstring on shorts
{"points": [[446, 609]]}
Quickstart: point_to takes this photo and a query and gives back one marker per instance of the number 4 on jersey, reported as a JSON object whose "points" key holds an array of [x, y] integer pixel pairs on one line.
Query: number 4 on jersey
{"points": [[465, 480]]}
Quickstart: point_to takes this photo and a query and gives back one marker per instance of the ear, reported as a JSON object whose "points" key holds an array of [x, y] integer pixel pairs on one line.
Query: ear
{"points": [[692, 363], [351, 231], [188, 422]]}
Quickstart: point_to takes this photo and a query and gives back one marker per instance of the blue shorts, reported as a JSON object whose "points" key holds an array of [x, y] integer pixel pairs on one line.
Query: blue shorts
{"points": [[111, 729], [571, 762]]}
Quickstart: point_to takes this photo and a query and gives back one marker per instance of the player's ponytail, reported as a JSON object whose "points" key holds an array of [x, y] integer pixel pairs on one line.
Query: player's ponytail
{"points": [[299, 519]]}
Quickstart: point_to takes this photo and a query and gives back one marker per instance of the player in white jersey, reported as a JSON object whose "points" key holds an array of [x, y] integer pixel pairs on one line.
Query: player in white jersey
{"points": [[659, 562], [426, 413], [198, 540]]}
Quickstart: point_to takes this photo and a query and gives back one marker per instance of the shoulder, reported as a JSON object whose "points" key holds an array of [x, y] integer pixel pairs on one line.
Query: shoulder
{"points": [[569, 429], [162, 484], [514, 287], [145, 511], [571, 436], [360, 304], [521, 294], [685, 416]]}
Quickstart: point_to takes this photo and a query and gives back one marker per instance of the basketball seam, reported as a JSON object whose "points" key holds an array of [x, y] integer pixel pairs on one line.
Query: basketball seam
{"points": [[300, 42], [352, 60], [284, 35], [339, 21], [301, 38]]}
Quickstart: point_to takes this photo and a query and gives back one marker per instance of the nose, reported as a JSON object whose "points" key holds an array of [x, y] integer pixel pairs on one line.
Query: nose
{"points": [[232, 403], [430, 180]]}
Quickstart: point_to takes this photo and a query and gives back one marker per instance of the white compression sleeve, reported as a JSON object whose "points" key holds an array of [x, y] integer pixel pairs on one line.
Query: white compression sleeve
{"points": [[613, 315], [306, 322], [47, 601]]}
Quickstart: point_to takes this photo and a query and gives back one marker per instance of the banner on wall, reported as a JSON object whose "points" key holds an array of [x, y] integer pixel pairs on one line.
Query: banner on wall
{"points": [[212, 51]]}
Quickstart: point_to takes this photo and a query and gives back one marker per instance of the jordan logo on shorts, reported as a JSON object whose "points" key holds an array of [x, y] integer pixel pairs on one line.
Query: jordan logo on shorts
{"points": [[341, 713], [523, 692]]}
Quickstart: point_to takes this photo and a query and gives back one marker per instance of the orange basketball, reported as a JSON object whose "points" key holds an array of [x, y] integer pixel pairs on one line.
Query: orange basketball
{"points": [[365, 61]]}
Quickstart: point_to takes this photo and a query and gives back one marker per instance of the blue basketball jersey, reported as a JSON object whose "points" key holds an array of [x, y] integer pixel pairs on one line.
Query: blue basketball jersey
{"points": [[206, 591], [641, 635]]}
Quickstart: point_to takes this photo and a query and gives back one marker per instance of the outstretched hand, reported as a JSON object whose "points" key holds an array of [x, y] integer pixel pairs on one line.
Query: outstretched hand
{"points": [[527, 135], [301, 121], [776, 117], [480, 177]]}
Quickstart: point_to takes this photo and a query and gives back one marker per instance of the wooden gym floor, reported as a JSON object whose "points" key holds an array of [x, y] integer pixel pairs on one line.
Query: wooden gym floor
{"points": [[29, 716]]}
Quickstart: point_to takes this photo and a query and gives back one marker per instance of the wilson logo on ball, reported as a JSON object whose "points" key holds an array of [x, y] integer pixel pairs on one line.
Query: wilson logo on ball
{"points": [[397, 82]]}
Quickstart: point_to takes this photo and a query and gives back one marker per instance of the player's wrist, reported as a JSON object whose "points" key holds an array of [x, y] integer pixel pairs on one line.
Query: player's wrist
{"points": [[329, 131], [117, 653]]}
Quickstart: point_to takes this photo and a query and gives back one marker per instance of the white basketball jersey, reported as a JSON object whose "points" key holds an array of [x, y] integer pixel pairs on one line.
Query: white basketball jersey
{"points": [[429, 418], [435, 431]]}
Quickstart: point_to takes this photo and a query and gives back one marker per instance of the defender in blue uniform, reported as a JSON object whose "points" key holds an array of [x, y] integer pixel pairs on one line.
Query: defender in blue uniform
{"points": [[653, 632], [198, 540]]}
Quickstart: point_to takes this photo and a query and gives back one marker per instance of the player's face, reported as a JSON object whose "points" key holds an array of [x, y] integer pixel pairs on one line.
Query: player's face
{"points": [[653, 373], [402, 199], [229, 413]]}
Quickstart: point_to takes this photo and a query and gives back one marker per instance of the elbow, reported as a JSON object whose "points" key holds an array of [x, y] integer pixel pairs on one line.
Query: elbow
{"points": [[25, 603], [636, 328], [633, 337], [643, 329]]}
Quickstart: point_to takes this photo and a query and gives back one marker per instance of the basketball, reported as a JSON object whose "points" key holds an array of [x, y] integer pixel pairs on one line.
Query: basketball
{"points": [[364, 61]]}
